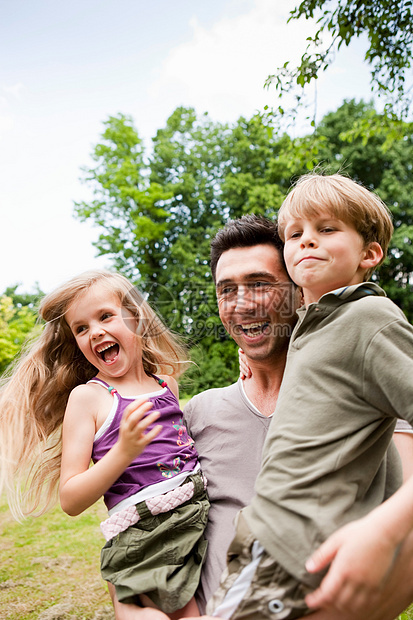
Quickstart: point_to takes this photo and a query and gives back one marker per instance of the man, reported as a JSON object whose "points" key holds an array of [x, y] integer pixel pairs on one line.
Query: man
{"points": [[257, 303]]}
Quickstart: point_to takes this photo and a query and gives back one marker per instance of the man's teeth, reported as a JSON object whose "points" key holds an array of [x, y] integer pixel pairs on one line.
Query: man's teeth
{"points": [[253, 327]]}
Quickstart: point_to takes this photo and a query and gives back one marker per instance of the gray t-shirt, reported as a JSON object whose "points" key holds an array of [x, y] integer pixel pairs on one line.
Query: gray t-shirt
{"points": [[229, 434]]}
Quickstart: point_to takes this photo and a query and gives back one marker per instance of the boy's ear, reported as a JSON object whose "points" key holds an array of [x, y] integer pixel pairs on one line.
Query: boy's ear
{"points": [[373, 254]]}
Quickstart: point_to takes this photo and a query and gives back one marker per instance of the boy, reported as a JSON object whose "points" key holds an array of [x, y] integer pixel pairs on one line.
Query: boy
{"points": [[347, 380]]}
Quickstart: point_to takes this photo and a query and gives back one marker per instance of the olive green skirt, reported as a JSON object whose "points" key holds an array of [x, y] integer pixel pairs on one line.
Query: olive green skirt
{"points": [[160, 556]]}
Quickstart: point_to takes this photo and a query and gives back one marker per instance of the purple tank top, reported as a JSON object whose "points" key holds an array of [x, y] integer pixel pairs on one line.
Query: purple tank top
{"points": [[170, 453]]}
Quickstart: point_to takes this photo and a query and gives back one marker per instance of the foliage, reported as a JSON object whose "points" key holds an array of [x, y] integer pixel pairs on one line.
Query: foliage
{"points": [[17, 323], [31, 300], [388, 28], [130, 210], [215, 364], [388, 171], [199, 174]]}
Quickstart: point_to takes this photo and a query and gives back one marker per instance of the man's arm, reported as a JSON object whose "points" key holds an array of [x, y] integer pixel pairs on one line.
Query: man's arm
{"points": [[394, 593], [389, 601], [404, 444]]}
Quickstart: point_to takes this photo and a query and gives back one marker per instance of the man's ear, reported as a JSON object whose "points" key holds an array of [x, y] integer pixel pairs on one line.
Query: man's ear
{"points": [[373, 254]]}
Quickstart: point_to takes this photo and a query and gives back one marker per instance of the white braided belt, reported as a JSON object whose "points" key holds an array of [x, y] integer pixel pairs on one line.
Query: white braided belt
{"points": [[120, 521]]}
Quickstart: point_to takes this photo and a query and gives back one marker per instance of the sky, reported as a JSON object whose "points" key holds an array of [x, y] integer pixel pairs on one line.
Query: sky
{"points": [[65, 67]]}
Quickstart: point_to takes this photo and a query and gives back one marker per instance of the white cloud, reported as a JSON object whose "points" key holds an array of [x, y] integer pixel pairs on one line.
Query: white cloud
{"points": [[222, 70], [11, 94], [15, 90], [51, 109], [6, 123]]}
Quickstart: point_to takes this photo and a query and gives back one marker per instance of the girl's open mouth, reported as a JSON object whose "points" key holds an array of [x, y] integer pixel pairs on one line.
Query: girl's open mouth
{"points": [[109, 352]]}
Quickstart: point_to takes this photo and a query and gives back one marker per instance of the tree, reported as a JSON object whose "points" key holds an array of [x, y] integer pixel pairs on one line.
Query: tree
{"points": [[388, 172], [130, 210], [157, 215], [199, 174], [189, 159], [20, 300], [388, 27], [17, 324]]}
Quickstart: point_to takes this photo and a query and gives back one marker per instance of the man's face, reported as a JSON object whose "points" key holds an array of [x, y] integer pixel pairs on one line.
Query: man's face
{"points": [[256, 299]]}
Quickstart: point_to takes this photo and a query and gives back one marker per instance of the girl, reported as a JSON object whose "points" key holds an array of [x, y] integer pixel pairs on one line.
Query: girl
{"points": [[84, 391]]}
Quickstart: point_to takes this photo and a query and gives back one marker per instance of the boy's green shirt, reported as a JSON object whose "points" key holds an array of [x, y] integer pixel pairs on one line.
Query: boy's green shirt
{"points": [[347, 379]]}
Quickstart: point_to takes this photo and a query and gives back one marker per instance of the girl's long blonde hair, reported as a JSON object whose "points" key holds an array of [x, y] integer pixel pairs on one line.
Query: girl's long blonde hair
{"points": [[34, 393]]}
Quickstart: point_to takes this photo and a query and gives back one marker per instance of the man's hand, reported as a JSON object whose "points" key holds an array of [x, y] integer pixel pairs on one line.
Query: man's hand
{"points": [[125, 611], [360, 558], [386, 602]]}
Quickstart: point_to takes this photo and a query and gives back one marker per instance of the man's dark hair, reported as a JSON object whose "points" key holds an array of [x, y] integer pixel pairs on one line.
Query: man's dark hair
{"points": [[245, 232]]}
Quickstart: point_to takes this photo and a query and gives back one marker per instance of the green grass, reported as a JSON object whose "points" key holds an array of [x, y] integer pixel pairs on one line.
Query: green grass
{"points": [[50, 560], [53, 560]]}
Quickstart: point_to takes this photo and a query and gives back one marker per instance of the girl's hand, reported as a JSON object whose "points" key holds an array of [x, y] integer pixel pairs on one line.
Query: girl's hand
{"points": [[244, 369], [134, 423], [361, 557]]}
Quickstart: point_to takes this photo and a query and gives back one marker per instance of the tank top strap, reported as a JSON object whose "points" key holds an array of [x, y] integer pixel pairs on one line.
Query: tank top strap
{"points": [[161, 382], [109, 388], [113, 390]]}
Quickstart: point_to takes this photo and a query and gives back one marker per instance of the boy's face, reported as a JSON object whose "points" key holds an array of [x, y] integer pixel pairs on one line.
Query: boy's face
{"points": [[323, 254]]}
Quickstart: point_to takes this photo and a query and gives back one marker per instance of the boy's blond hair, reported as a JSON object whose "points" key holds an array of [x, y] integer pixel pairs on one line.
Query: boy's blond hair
{"points": [[346, 200]]}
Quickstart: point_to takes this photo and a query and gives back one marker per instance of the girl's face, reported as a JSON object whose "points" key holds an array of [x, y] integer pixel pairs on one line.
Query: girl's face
{"points": [[105, 332]]}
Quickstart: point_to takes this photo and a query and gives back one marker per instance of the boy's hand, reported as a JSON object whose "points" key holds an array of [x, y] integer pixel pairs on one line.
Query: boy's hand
{"points": [[134, 423], [361, 557], [244, 369]]}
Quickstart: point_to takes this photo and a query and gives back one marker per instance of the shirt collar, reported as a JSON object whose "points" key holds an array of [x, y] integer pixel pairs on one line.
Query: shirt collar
{"points": [[355, 291], [344, 294]]}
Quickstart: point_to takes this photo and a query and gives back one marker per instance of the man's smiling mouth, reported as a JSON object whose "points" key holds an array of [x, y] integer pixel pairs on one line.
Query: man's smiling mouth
{"points": [[253, 329]]}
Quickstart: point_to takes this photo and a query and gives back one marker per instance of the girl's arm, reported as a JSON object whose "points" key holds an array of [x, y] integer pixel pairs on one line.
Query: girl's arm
{"points": [[81, 485]]}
